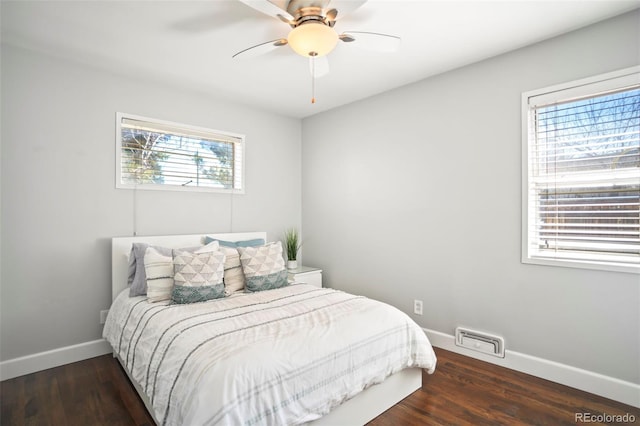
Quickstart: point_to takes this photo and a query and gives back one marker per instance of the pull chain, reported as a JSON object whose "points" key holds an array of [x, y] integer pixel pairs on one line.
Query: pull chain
{"points": [[313, 77]]}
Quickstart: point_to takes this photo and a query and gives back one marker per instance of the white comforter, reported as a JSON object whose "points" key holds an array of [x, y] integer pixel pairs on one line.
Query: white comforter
{"points": [[276, 357]]}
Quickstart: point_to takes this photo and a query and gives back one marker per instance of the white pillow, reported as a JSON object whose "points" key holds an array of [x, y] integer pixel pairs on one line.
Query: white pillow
{"points": [[159, 270], [233, 275]]}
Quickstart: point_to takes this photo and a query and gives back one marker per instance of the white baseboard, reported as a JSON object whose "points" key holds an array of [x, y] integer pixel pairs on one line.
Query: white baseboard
{"points": [[53, 358], [588, 381]]}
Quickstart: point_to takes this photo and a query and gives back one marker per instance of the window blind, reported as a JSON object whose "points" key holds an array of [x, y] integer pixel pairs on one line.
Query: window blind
{"points": [[157, 153], [584, 178]]}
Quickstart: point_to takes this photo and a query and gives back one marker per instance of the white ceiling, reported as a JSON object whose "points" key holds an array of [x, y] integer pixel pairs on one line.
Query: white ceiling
{"points": [[190, 43]]}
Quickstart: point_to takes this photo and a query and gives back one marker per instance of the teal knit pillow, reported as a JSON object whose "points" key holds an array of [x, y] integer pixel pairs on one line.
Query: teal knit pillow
{"points": [[197, 276], [263, 267]]}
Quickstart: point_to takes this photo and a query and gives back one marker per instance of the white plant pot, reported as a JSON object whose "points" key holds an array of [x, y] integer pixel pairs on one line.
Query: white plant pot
{"points": [[292, 264]]}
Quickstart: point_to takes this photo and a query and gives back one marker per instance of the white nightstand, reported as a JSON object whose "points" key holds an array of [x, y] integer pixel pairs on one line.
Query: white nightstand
{"points": [[306, 274]]}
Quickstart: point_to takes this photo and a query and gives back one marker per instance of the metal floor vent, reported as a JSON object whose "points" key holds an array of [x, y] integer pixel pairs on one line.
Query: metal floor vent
{"points": [[479, 341]]}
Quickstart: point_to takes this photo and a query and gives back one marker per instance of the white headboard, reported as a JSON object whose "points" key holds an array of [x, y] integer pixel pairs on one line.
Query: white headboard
{"points": [[121, 247]]}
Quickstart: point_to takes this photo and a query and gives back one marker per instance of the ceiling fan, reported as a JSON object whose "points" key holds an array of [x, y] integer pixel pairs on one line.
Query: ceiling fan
{"points": [[312, 33]]}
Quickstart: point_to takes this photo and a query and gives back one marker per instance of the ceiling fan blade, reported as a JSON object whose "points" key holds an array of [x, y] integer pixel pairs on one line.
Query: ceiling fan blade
{"points": [[260, 49], [343, 7], [372, 41], [268, 8], [332, 15], [319, 66]]}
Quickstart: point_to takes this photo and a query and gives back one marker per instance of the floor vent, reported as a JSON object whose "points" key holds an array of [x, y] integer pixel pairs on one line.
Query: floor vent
{"points": [[479, 341]]}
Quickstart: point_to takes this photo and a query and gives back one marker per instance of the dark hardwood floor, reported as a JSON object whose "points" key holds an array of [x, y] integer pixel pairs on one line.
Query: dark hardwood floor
{"points": [[462, 391], [465, 391]]}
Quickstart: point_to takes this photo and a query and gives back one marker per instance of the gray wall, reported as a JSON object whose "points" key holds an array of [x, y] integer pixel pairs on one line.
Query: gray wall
{"points": [[416, 194], [60, 206]]}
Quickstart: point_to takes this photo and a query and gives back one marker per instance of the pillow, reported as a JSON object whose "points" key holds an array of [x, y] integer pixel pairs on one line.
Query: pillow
{"points": [[158, 267], [131, 269], [197, 276], [159, 275], [137, 273], [246, 243], [233, 275], [263, 267]]}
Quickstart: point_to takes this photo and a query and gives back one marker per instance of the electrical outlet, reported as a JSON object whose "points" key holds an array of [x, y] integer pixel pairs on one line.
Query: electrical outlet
{"points": [[417, 307], [103, 316]]}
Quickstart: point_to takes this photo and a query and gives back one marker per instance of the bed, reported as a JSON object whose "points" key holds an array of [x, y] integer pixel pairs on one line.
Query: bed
{"points": [[291, 355]]}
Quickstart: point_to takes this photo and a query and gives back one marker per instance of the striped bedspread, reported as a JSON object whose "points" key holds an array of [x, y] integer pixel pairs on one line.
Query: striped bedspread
{"points": [[284, 356]]}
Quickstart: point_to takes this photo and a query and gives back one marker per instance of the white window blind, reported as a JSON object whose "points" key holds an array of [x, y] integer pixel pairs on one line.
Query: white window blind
{"points": [[155, 154], [583, 178]]}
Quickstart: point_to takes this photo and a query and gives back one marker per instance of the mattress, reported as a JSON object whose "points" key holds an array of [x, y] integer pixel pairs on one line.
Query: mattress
{"points": [[284, 356]]}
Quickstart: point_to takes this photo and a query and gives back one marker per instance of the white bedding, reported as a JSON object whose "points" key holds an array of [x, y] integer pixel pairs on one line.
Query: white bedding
{"points": [[284, 356]]}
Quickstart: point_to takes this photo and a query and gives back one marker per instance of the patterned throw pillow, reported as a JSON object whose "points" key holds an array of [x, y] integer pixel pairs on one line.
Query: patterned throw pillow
{"points": [[197, 276], [263, 267]]}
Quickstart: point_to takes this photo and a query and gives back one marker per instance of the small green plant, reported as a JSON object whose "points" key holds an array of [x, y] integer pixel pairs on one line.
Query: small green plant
{"points": [[292, 243]]}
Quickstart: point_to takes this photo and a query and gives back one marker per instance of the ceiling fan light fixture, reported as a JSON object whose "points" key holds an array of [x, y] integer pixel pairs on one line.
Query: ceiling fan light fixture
{"points": [[313, 39]]}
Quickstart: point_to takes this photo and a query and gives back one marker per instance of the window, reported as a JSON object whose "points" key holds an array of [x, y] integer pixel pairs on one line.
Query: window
{"points": [[155, 154], [581, 173]]}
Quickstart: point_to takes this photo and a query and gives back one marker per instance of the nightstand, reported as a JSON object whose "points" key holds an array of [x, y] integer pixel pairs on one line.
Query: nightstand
{"points": [[306, 274]]}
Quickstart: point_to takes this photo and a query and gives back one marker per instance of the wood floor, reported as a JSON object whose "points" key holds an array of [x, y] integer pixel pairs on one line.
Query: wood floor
{"points": [[463, 391]]}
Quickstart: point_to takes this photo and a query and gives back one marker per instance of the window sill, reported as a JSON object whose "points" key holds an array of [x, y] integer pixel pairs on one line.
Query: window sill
{"points": [[593, 265], [150, 187]]}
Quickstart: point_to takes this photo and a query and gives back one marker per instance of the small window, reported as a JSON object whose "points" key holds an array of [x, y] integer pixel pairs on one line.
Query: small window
{"points": [[581, 203], [155, 154]]}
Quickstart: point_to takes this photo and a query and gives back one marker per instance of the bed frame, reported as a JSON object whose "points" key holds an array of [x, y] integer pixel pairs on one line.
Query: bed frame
{"points": [[359, 410]]}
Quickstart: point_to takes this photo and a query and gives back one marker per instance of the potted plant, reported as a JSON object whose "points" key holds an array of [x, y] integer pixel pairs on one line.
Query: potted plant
{"points": [[292, 245]]}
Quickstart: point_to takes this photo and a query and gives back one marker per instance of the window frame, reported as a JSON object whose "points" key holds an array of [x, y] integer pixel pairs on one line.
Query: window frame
{"points": [[239, 170], [565, 91]]}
